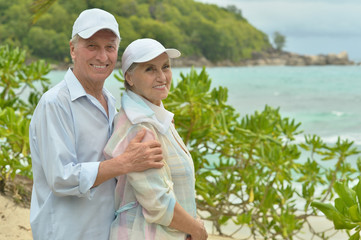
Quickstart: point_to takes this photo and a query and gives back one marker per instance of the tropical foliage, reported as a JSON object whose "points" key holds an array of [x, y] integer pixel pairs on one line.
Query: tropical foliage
{"points": [[197, 29], [20, 88], [346, 212]]}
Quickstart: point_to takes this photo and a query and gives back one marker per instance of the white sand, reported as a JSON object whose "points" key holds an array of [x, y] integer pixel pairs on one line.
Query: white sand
{"points": [[319, 224], [14, 220]]}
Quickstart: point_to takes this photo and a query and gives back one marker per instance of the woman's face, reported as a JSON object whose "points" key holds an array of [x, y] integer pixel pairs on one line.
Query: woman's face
{"points": [[151, 79]]}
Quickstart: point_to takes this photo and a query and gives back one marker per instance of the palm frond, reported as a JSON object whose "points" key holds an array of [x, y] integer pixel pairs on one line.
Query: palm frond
{"points": [[39, 7]]}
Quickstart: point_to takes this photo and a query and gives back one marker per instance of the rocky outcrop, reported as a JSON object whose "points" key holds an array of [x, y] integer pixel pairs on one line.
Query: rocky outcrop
{"points": [[274, 57], [192, 61], [271, 57]]}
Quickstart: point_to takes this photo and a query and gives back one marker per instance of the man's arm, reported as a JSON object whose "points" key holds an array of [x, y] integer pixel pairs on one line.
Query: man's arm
{"points": [[138, 156]]}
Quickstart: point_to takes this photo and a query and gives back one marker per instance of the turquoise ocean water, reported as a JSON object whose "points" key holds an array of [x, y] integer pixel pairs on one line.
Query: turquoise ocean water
{"points": [[325, 99]]}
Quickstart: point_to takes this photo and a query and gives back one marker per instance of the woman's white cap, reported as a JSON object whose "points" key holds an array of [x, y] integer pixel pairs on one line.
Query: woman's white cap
{"points": [[92, 20], [144, 50]]}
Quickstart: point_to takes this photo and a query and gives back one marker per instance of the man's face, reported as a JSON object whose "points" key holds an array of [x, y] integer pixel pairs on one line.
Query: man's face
{"points": [[94, 58]]}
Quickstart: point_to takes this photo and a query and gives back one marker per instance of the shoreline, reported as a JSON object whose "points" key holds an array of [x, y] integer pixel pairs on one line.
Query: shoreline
{"points": [[267, 58]]}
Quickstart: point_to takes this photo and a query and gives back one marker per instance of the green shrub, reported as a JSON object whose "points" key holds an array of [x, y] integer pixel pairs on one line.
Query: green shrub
{"points": [[19, 97], [346, 214]]}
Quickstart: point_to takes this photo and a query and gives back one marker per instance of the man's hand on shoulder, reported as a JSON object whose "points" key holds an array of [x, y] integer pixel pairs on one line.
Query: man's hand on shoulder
{"points": [[142, 153]]}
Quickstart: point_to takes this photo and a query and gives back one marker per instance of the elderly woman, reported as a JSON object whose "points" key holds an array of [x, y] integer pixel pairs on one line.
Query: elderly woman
{"points": [[157, 203]]}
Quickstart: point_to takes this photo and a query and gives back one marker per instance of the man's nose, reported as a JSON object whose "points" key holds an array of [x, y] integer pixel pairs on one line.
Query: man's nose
{"points": [[102, 55]]}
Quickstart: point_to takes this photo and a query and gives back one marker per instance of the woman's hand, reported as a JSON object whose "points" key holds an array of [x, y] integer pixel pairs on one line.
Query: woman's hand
{"points": [[184, 222], [200, 233]]}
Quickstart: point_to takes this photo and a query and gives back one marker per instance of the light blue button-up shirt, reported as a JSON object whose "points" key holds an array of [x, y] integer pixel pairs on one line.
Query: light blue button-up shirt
{"points": [[68, 132]]}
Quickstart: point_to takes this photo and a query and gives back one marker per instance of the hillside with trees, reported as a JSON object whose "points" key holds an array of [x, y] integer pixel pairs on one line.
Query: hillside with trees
{"points": [[198, 30]]}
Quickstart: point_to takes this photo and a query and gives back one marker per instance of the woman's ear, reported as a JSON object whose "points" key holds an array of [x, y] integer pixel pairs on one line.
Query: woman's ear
{"points": [[128, 79]]}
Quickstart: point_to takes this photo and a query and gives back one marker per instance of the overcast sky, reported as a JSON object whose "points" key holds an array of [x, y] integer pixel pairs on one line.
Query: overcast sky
{"points": [[310, 26]]}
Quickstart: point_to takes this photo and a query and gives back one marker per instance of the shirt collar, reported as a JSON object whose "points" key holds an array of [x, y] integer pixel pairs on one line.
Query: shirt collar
{"points": [[76, 90], [138, 110]]}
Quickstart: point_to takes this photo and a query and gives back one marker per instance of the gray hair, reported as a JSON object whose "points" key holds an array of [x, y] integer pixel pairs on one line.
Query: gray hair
{"points": [[130, 72], [75, 40]]}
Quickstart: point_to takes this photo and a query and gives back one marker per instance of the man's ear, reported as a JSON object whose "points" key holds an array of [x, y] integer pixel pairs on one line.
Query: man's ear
{"points": [[72, 48]]}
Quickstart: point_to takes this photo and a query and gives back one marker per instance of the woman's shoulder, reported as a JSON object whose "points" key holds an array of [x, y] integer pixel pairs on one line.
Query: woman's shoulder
{"points": [[121, 119]]}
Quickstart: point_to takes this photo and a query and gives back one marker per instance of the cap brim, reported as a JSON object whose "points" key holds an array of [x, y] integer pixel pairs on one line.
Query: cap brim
{"points": [[172, 53], [91, 31]]}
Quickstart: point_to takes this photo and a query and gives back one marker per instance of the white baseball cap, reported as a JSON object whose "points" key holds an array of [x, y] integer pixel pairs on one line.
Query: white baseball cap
{"points": [[92, 20], [144, 50]]}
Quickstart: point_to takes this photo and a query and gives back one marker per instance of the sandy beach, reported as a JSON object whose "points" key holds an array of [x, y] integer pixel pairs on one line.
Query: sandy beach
{"points": [[14, 224], [14, 220]]}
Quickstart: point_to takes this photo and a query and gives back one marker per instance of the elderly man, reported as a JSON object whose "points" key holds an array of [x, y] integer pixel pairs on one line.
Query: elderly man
{"points": [[73, 191]]}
